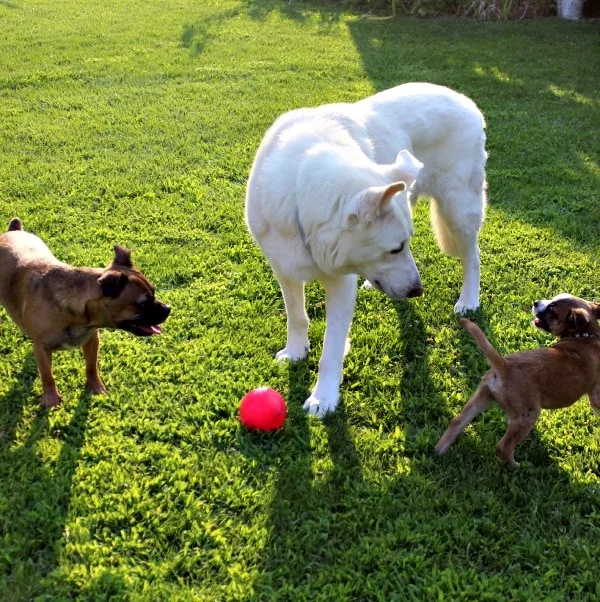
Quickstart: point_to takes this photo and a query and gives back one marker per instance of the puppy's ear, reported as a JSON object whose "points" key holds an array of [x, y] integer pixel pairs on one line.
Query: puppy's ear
{"points": [[371, 201], [597, 310], [578, 320], [122, 257], [112, 283]]}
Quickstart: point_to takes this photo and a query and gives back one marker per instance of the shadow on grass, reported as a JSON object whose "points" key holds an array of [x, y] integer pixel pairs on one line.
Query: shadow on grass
{"points": [[540, 163], [338, 529], [11, 405], [197, 35], [39, 493]]}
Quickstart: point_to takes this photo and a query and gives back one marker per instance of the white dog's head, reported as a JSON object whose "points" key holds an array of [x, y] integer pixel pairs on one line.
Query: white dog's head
{"points": [[373, 238]]}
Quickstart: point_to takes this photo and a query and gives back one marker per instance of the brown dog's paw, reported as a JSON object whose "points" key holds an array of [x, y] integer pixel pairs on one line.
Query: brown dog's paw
{"points": [[51, 400], [96, 386]]}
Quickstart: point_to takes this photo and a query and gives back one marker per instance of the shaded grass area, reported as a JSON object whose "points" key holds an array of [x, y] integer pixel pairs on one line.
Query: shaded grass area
{"points": [[137, 123]]}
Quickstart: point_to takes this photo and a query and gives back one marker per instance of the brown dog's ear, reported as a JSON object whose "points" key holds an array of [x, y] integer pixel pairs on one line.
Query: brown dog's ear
{"points": [[578, 320], [112, 283], [597, 309], [122, 257]]}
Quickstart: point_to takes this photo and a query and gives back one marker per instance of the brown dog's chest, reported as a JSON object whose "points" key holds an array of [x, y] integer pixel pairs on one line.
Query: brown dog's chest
{"points": [[70, 338]]}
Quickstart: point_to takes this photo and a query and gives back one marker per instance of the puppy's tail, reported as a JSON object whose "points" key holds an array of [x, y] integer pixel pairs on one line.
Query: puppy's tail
{"points": [[497, 362], [15, 224]]}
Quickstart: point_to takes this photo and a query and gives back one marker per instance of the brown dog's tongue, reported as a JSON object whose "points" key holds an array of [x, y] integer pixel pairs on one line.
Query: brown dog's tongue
{"points": [[156, 329]]}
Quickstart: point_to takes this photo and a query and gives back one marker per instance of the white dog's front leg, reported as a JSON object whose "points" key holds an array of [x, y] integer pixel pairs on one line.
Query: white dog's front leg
{"points": [[340, 296], [297, 345], [469, 296]]}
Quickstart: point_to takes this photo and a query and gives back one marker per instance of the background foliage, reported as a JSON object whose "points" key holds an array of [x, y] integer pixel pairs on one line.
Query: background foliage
{"points": [[487, 10]]}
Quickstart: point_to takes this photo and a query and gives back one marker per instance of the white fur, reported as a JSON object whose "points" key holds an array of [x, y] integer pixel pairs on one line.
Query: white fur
{"points": [[324, 203]]}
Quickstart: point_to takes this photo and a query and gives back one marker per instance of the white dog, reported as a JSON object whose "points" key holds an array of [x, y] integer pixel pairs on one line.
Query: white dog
{"points": [[327, 200]]}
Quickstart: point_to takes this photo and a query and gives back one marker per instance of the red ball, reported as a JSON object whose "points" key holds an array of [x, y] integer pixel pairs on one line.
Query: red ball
{"points": [[262, 409]]}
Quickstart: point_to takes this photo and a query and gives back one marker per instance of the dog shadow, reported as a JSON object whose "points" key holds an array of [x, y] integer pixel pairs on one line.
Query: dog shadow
{"points": [[329, 505], [37, 491], [298, 502], [424, 408], [11, 404]]}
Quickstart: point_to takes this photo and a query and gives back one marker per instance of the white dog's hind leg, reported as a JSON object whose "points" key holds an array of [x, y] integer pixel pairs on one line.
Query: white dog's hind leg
{"points": [[457, 219], [340, 297], [297, 344]]}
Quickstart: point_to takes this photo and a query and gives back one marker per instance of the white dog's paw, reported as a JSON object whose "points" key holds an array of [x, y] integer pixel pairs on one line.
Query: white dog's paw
{"points": [[293, 354], [347, 347], [366, 284], [463, 305], [320, 407]]}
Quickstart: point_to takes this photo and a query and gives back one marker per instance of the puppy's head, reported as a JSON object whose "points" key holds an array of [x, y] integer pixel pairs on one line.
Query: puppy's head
{"points": [[128, 301], [566, 316]]}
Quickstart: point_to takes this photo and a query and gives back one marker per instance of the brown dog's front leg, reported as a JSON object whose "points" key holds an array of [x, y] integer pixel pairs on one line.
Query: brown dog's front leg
{"points": [[43, 359], [90, 353], [595, 399]]}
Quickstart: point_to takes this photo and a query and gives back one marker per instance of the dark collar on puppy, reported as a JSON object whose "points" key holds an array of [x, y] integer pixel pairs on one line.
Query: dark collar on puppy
{"points": [[583, 335]]}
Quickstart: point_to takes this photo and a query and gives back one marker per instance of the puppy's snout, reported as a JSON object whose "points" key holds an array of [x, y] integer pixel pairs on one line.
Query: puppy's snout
{"points": [[415, 291]]}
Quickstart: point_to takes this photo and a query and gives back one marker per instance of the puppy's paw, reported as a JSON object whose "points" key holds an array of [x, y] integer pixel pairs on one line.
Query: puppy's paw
{"points": [[293, 354], [50, 400], [320, 407]]}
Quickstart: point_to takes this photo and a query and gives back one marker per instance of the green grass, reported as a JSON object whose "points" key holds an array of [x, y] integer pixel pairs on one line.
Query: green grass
{"points": [[136, 122]]}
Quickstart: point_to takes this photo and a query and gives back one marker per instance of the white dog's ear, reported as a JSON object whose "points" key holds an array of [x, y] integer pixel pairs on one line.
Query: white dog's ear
{"points": [[407, 167], [370, 202]]}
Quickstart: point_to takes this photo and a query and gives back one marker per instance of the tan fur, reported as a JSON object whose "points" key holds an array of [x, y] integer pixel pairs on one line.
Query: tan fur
{"points": [[548, 378], [62, 307]]}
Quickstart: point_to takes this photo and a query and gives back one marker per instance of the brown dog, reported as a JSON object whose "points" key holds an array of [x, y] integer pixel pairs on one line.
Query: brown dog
{"points": [[62, 307], [551, 377]]}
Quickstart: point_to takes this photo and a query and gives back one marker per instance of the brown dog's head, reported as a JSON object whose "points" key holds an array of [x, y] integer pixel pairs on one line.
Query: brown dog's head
{"points": [[567, 316], [128, 301]]}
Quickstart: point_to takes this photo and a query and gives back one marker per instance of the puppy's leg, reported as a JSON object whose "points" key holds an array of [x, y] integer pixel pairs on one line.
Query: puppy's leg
{"points": [[340, 296], [297, 344], [90, 353], [518, 429], [480, 401], [43, 359]]}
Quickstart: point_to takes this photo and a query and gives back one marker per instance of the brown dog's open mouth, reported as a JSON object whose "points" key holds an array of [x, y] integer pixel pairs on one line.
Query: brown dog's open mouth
{"points": [[141, 330]]}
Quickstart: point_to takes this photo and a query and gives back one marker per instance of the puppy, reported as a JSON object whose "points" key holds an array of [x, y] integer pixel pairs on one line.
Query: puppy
{"points": [[62, 307], [551, 377]]}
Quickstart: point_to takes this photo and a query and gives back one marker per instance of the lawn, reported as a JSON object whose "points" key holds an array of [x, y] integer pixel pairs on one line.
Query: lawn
{"points": [[136, 122]]}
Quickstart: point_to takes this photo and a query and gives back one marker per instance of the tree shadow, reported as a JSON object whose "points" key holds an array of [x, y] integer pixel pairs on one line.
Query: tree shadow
{"points": [[38, 493], [300, 12], [543, 173]]}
